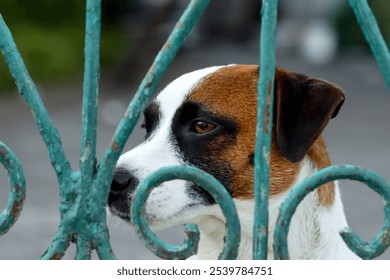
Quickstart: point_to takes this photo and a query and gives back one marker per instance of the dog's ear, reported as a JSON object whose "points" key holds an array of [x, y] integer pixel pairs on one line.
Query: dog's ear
{"points": [[302, 108]]}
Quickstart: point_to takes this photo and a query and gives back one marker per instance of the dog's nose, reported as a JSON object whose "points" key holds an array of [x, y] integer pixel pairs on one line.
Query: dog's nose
{"points": [[123, 181], [122, 186]]}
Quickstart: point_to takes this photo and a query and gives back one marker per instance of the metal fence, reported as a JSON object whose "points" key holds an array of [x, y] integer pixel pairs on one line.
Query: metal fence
{"points": [[84, 193]]}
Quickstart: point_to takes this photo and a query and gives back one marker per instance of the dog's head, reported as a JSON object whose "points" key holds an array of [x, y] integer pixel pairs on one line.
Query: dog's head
{"points": [[207, 118]]}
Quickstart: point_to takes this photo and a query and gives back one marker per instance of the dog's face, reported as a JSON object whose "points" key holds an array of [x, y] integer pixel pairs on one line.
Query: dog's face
{"points": [[207, 118]]}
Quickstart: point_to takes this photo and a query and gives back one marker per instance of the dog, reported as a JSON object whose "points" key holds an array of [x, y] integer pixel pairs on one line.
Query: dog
{"points": [[207, 119]]}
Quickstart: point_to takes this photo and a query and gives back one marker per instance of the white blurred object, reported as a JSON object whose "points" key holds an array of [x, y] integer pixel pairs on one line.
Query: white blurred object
{"points": [[305, 29], [318, 44]]}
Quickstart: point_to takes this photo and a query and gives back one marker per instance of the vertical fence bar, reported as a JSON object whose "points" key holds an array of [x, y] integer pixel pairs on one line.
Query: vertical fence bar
{"points": [[91, 85], [373, 35], [264, 127]]}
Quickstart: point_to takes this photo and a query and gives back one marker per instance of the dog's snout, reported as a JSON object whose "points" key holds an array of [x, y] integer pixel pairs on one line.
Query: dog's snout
{"points": [[122, 187], [123, 181]]}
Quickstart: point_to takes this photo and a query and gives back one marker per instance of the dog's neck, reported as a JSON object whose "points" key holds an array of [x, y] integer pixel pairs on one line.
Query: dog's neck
{"points": [[313, 234]]}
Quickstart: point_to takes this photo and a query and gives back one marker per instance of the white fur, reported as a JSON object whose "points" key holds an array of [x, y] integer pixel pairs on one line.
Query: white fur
{"points": [[313, 234], [314, 228]]}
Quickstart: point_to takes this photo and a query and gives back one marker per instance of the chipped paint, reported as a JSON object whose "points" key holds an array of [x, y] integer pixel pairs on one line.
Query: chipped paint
{"points": [[17, 189], [264, 128]]}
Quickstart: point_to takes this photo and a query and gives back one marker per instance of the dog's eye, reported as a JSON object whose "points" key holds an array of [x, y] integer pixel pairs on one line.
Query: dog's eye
{"points": [[202, 127]]}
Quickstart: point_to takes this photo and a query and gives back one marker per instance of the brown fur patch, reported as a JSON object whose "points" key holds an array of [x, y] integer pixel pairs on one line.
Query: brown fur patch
{"points": [[319, 155], [232, 92]]}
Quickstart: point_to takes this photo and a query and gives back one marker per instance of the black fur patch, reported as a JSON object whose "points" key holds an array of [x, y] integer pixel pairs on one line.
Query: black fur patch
{"points": [[303, 107], [251, 159], [204, 150], [152, 117]]}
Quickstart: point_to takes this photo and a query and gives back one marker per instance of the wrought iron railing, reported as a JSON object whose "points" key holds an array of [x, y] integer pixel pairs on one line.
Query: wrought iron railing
{"points": [[84, 193]]}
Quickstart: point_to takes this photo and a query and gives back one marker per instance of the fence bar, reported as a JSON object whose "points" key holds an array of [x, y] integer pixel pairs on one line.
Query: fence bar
{"points": [[84, 249], [148, 86], [58, 246], [17, 194], [91, 84], [264, 127], [207, 182], [363, 249], [28, 90], [102, 245], [373, 35]]}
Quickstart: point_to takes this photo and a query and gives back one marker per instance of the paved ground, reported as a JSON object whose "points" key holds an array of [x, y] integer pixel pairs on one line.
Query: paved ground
{"points": [[359, 135]]}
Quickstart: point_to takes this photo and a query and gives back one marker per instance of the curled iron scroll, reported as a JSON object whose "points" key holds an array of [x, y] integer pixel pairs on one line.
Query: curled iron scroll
{"points": [[17, 189], [365, 250], [189, 247]]}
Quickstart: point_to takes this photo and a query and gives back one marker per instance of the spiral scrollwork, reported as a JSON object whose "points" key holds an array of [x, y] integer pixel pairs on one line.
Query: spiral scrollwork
{"points": [[17, 189], [365, 250], [189, 247]]}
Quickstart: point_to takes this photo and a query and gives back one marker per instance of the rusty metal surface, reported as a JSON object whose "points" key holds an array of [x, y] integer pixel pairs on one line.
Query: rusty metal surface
{"points": [[264, 127], [17, 193]]}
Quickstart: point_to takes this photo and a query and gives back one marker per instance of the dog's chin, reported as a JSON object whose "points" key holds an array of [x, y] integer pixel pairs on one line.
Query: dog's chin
{"points": [[185, 216], [125, 216], [188, 215]]}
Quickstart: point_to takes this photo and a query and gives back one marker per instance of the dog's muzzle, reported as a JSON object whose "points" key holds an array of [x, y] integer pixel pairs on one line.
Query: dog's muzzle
{"points": [[122, 187]]}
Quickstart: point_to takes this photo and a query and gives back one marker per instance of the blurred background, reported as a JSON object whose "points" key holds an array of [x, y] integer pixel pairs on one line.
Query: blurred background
{"points": [[318, 38]]}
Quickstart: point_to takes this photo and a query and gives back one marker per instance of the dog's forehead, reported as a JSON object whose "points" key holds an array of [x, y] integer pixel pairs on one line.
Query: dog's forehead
{"points": [[171, 98], [230, 92]]}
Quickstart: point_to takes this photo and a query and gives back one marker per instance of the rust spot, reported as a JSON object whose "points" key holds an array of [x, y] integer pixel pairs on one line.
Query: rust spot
{"points": [[114, 146], [18, 205], [16, 208], [18, 188], [151, 69], [3, 152], [167, 45], [56, 256], [385, 239]]}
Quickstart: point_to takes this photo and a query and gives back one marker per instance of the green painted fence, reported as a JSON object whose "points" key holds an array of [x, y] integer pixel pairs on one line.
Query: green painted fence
{"points": [[84, 193]]}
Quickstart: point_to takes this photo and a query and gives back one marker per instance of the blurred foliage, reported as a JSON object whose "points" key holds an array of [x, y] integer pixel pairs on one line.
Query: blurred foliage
{"points": [[350, 35], [50, 36]]}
